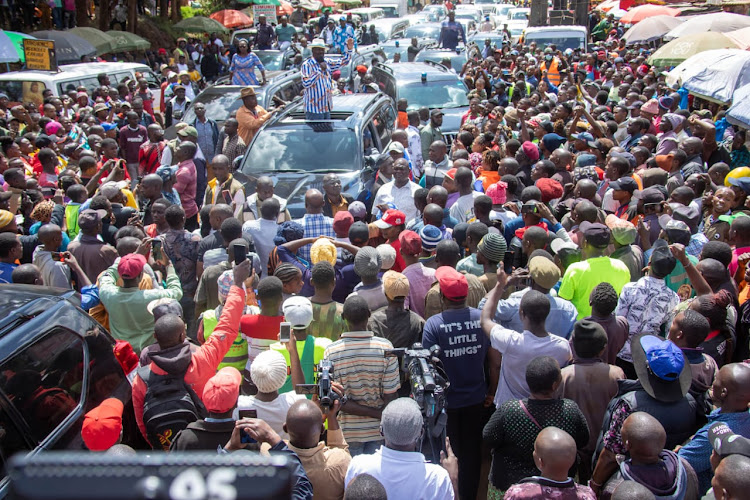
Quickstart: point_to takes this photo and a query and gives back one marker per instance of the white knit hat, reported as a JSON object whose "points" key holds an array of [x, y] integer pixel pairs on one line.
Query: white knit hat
{"points": [[268, 371]]}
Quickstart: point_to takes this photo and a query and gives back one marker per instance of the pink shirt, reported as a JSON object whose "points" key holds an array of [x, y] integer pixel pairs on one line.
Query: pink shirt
{"points": [[185, 182], [735, 264], [420, 279]]}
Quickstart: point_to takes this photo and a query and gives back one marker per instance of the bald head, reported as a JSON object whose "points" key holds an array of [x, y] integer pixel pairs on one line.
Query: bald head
{"points": [[509, 166], [644, 437], [731, 388], [692, 146], [169, 330], [630, 490], [438, 195], [400, 136], [433, 214], [586, 188], [50, 235], [264, 182], [554, 450], [732, 478], [27, 274], [314, 201], [304, 423], [713, 272]]}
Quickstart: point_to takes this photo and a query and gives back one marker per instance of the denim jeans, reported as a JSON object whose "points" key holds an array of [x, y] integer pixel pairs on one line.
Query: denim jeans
{"points": [[366, 448], [57, 16], [317, 116]]}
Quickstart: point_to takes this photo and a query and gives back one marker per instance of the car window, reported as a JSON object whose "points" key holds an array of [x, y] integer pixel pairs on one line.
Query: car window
{"points": [[272, 60], [218, 106], [121, 76], [14, 438], [23, 91], [153, 82], [384, 121], [44, 381], [436, 94]]}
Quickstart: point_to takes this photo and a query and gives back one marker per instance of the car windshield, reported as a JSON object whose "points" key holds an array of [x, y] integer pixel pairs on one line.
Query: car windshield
{"points": [[273, 60], [441, 94], [484, 1], [218, 106], [457, 60], [563, 41], [503, 11], [389, 11], [304, 146], [392, 49], [516, 31], [422, 32], [519, 15]]}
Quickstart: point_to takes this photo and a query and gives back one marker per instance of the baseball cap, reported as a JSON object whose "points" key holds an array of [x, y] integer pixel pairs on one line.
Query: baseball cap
{"points": [[222, 390], [624, 184], [741, 182], [586, 137], [596, 235], [662, 261], [453, 285], [675, 229], [544, 272], [559, 244], [188, 131], [725, 442], [298, 311], [88, 219], [395, 147], [391, 218], [451, 174], [430, 236], [387, 256], [358, 210], [411, 243], [623, 232], [164, 306], [436, 112], [102, 425], [661, 367], [131, 265], [652, 195], [395, 285], [689, 215], [367, 262], [342, 221]]}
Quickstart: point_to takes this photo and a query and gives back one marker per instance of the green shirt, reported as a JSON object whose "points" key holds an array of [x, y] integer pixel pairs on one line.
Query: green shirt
{"points": [[310, 352], [327, 320], [582, 277], [128, 317], [285, 34]]}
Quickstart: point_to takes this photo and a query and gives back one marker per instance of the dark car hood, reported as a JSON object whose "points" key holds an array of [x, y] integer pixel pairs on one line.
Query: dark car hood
{"points": [[293, 185]]}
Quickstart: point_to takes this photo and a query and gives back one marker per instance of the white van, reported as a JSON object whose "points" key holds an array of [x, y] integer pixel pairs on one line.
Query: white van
{"points": [[25, 86], [565, 37], [392, 8], [366, 14]]}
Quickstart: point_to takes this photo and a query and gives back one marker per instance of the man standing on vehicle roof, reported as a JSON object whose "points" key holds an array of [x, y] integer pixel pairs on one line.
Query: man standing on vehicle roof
{"points": [[250, 116], [342, 33], [451, 32], [316, 79]]}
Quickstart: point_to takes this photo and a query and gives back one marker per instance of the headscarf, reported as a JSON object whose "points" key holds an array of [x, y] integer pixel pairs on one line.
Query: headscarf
{"points": [[43, 211], [288, 231]]}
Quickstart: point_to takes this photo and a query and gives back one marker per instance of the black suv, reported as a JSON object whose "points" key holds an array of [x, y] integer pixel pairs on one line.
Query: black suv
{"points": [[56, 364], [426, 85], [297, 153], [222, 100]]}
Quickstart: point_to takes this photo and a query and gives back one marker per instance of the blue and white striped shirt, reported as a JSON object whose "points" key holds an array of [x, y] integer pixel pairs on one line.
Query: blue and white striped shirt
{"points": [[318, 83]]}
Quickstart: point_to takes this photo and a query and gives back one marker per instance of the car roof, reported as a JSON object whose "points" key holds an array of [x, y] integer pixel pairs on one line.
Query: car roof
{"points": [[73, 70], [345, 110], [535, 29], [14, 297], [415, 69]]}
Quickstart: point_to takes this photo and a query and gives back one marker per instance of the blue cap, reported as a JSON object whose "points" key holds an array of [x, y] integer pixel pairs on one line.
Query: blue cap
{"points": [[552, 141], [584, 136], [742, 183], [663, 357]]}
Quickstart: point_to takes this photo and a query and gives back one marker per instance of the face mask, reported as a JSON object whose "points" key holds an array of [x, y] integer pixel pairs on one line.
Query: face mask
{"points": [[548, 57]]}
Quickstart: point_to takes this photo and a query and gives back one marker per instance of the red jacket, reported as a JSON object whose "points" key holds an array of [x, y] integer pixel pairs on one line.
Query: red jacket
{"points": [[202, 361]]}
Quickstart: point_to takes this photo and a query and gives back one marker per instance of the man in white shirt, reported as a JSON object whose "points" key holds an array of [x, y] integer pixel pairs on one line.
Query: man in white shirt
{"points": [[264, 230], [400, 191], [397, 465], [415, 143], [463, 209], [520, 348]]}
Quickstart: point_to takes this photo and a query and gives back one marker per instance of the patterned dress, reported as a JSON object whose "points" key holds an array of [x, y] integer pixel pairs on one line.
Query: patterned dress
{"points": [[243, 69]]}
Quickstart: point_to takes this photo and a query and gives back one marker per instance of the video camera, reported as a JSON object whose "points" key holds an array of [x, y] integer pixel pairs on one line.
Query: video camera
{"points": [[324, 387]]}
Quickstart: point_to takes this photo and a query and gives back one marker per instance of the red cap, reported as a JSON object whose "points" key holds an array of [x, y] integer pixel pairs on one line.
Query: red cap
{"points": [[361, 69], [411, 243], [391, 218], [102, 425], [131, 266], [162, 51], [550, 188], [452, 283], [222, 390], [342, 221], [451, 174]]}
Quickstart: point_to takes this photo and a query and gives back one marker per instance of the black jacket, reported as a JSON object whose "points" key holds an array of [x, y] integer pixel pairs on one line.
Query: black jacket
{"points": [[202, 435]]}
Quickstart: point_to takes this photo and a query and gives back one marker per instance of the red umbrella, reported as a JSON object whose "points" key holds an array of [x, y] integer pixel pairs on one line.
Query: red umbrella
{"points": [[285, 8], [231, 18], [638, 14]]}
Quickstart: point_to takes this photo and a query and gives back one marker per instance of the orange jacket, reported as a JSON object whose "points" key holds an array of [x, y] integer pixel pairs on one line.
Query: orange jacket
{"points": [[205, 359]]}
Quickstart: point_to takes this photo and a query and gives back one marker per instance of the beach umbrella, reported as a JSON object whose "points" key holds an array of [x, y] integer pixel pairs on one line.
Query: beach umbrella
{"points": [[232, 18], [200, 24], [608, 5], [285, 9], [126, 41], [676, 51], [17, 40], [723, 75], [638, 14], [718, 21], [261, 2], [69, 48], [694, 65], [8, 52], [741, 37], [618, 13], [739, 112], [102, 41], [651, 29]]}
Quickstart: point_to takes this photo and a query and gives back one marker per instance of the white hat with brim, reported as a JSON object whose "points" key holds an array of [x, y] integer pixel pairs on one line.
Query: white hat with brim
{"points": [[318, 43]]}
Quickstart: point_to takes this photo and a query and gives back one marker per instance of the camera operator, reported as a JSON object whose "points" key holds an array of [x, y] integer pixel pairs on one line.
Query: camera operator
{"points": [[473, 370], [369, 379]]}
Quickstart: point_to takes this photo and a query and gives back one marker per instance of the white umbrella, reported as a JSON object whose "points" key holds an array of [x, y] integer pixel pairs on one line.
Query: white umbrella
{"points": [[739, 112], [721, 77], [651, 29], [718, 21], [694, 65]]}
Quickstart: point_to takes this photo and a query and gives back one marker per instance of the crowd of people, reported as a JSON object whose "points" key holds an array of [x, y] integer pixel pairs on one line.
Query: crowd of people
{"points": [[578, 252]]}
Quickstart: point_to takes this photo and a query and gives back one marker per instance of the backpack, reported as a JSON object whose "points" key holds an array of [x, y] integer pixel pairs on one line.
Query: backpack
{"points": [[168, 407]]}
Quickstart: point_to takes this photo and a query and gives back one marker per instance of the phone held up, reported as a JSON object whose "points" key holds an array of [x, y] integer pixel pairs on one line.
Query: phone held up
{"points": [[285, 332]]}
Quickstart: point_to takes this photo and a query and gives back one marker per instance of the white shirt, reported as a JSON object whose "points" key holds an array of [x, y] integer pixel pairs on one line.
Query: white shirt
{"points": [[415, 150], [263, 232], [517, 350], [402, 197], [403, 474], [53, 273], [463, 209], [272, 412]]}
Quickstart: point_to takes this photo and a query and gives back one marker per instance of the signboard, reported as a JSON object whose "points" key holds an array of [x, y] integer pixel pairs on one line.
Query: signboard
{"points": [[40, 54], [264, 10]]}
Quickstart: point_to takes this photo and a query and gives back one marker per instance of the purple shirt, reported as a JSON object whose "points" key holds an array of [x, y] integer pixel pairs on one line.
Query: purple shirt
{"points": [[420, 279], [130, 142]]}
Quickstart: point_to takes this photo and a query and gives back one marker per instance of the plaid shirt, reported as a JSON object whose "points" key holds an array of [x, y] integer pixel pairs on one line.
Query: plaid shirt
{"points": [[231, 147], [318, 83], [315, 225], [696, 244]]}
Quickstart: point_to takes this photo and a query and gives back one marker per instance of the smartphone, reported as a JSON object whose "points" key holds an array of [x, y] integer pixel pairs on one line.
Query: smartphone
{"points": [[156, 249], [240, 254], [227, 197], [285, 332], [57, 256], [248, 414], [529, 208]]}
